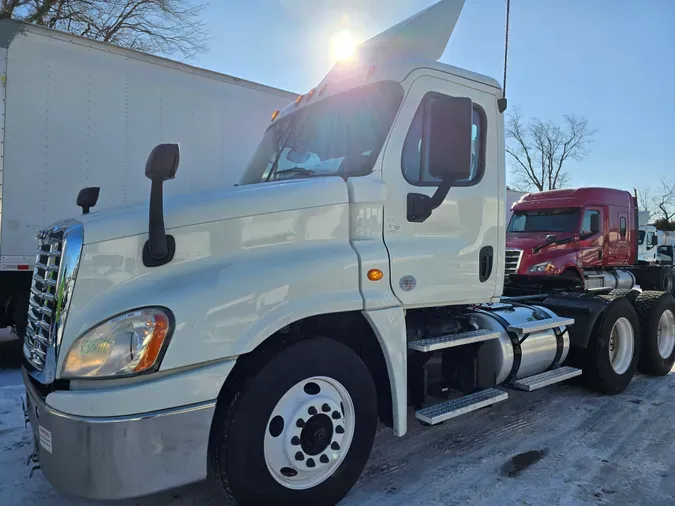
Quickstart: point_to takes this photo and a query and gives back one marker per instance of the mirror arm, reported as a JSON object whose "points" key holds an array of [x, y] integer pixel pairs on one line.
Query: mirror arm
{"points": [[420, 206], [160, 248]]}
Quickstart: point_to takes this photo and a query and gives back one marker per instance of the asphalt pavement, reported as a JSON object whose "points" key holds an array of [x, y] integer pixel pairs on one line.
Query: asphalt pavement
{"points": [[562, 445]]}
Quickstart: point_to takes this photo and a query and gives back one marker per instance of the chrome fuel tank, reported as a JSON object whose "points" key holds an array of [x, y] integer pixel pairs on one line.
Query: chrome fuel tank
{"points": [[538, 350]]}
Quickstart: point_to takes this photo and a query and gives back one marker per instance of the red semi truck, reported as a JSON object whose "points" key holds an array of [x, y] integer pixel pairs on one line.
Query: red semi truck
{"points": [[587, 234]]}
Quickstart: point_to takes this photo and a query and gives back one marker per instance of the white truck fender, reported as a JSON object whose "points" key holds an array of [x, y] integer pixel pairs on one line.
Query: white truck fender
{"points": [[389, 327]]}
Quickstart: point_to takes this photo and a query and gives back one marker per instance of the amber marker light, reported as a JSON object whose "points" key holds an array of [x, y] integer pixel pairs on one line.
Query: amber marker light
{"points": [[375, 274]]}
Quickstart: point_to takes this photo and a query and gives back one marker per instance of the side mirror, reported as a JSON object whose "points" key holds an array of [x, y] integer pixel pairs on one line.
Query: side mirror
{"points": [[450, 138], [87, 198], [655, 240], [163, 162], [595, 223], [161, 166], [448, 152]]}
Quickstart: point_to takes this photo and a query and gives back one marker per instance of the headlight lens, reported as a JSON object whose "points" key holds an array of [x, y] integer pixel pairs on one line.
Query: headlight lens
{"points": [[545, 267], [128, 344]]}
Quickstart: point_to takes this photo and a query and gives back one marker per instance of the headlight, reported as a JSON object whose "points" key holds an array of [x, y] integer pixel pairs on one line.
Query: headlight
{"points": [[545, 267], [128, 344]]}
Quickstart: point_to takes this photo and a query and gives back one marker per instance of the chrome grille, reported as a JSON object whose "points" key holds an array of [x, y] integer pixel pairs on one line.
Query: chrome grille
{"points": [[512, 262], [42, 300], [58, 258]]}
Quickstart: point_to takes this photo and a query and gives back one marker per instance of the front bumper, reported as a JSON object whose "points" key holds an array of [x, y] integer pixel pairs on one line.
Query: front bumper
{"points": [[120, 457]]}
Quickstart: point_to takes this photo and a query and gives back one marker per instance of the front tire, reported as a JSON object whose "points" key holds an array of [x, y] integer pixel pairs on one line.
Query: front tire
{"points": [[299, 429], [612, 354], [656, 313]]}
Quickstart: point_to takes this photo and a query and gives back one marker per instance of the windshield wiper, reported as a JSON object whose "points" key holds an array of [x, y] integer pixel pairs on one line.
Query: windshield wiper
{"points": [[295, 171], [540, 247]]}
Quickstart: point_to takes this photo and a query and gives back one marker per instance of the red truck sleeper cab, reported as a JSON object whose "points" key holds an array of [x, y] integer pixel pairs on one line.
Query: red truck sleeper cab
{"points": [[564, 232]]}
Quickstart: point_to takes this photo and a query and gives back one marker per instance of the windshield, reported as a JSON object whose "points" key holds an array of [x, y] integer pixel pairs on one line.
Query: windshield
{"points": [[340, 135], [641, 237], [545, 220]]}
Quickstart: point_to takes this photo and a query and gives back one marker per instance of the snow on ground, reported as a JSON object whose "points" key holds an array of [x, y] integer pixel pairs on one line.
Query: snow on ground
{"points": [[561, 445]]}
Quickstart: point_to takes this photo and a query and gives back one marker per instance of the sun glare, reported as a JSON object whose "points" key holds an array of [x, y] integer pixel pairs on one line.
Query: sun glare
{"points": [[343, 46]]}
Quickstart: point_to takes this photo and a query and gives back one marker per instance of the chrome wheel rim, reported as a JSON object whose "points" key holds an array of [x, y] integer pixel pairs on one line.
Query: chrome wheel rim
{"points": [[666, 334], [309, 433], [621, 345]]}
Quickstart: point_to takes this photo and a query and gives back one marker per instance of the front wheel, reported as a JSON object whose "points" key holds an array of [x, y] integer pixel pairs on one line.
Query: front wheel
{"points": [[612, 354], [299, 429]]}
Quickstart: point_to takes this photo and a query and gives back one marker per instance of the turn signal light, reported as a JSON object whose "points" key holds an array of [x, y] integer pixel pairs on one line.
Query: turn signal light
{"points": [[375, 274], [275, 115]]}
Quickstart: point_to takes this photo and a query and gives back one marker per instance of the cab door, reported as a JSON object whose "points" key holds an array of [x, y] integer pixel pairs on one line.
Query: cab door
{"points": [[455, 255], [592, 238]]}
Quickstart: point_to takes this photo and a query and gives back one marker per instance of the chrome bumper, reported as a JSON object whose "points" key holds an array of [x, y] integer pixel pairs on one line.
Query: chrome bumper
{"points": [[120, 457]]}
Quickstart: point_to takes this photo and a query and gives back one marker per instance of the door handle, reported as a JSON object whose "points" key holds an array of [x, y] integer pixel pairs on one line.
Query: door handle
{"points": [[485, 261], [599, 254]]}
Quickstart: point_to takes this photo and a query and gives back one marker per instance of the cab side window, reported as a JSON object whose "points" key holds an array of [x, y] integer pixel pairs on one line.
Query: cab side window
{"points": [[591, 222], [622, 227], [413, 161]]}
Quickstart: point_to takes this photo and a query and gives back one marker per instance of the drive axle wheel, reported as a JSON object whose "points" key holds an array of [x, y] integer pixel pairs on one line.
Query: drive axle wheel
{"points": [[656, 313], [295, 426], [612, 354]]}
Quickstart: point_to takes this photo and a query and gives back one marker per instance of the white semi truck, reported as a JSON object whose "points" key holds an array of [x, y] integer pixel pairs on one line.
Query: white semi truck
{"points": [[317, 297], [77, 112], [655, 246]]}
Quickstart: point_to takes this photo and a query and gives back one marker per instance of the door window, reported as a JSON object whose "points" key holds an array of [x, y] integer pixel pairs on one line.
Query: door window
{"points": [[622, 227], [413, 161], [590, 225]]}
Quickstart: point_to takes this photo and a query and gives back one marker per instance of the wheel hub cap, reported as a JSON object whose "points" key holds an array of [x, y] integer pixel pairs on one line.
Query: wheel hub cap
{"points": [[316, 435], [666, 334], [621, 345], [309, 433]]}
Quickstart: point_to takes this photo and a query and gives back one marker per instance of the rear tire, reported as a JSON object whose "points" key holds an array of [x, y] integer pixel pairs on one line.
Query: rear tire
{"points": [[296, 427], [666, 280], [613, 351], [656, 314]]}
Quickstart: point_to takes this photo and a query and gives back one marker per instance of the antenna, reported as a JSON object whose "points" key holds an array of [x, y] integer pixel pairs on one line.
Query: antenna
{"points": [[501, 103]]}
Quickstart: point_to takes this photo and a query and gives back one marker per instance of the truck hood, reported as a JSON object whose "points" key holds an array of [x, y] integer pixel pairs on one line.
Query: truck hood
{"points": [[528, 241], [216, 205]]}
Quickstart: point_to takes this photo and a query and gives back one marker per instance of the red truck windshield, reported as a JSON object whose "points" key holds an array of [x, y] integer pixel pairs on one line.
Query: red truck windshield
{"points": [[544, 220]]}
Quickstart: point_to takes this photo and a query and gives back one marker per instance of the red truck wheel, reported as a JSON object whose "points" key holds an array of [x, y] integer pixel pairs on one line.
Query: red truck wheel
{"points": [[612, 354], [656, 313]]}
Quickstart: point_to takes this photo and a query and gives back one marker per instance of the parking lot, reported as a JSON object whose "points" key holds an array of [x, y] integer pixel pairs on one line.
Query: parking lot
{"points": [[561, 445]]}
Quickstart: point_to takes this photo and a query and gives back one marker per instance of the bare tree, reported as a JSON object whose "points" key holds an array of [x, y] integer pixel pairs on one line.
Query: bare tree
{"points": [[664, 200], [539, 149], [164, 27], [646, 201]]}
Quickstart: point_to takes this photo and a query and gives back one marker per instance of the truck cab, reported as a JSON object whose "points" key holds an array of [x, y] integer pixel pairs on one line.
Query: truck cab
{"points": [[648, 241], [567, 232]]}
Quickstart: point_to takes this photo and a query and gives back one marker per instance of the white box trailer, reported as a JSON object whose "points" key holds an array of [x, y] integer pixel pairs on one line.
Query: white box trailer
{"points": [[77, 113]]}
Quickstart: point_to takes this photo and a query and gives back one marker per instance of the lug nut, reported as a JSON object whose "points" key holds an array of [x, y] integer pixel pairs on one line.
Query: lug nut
{"points": [[334, 446], [323, 459], [339, 429], [311, 463], [336, 415], [300, 456], [295, 441], [312, 410], [325, 408], [300, 423]]}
